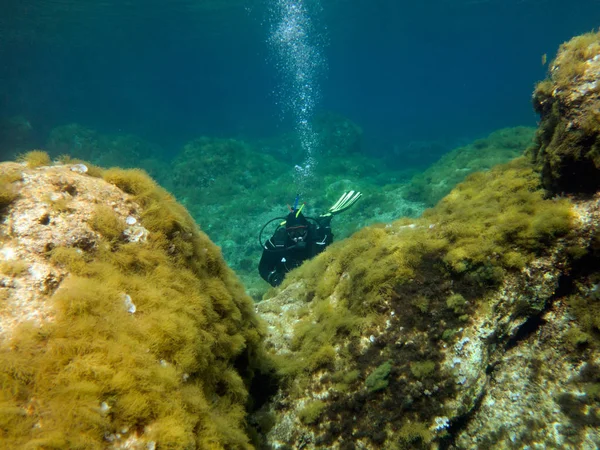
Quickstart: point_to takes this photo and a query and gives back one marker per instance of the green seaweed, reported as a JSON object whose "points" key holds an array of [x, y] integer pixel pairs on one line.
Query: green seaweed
{"points": [[422, 369], [179, 366], [8, 191], [35, 158], [414, 435], [107, 223], [311, 411], [567, 143], [404, 276], [378, 379], [456, 303]]}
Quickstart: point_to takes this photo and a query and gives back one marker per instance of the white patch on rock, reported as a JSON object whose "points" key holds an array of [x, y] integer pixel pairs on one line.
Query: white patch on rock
{"points": [[136, 233], [79, 168], [8, 253], [440, 423], [128, 303]]}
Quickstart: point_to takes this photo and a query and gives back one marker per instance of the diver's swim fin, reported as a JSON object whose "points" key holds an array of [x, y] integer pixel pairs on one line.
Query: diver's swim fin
{"points": [[347, 200]]}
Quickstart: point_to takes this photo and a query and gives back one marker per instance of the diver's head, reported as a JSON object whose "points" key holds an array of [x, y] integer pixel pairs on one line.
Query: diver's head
{"points": [[296, 227]]}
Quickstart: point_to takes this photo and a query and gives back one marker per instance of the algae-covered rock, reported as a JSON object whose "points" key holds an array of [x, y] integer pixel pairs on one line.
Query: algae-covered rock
{"points": [[498, 148], [120, 324], [338, 135], [430, 316], [568, 101], [209, 170], [233, 187]]}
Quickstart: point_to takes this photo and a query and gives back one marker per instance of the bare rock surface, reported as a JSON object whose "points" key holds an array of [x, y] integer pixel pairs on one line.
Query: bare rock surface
{"points": [[53, 209]]}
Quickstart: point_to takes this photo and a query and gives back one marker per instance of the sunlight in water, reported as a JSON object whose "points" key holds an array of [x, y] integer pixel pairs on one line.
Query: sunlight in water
{"points": [[299, 62]]}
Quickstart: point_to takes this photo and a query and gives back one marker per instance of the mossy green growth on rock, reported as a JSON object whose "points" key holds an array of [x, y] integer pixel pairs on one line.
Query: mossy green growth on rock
{"points": [[378, 379], [7, 194], [498, 148], [8, 175], [154, 337], [498, 219], [492, 222], [585, 308], [456, 302], [422, 369], [35, 158], [105, 222], [379, 301], [567, 144], [311, 411], [414, 435]]}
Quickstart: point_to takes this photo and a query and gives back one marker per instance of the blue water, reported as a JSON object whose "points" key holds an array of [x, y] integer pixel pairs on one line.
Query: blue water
{"points": [[437, 71]]}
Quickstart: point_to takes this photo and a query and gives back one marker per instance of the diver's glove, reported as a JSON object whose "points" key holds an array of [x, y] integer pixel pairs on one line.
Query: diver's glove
{"points": [[347, 200]]}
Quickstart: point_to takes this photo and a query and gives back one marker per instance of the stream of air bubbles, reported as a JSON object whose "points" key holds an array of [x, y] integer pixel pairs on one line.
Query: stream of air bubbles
{"points": [[299, 61]]}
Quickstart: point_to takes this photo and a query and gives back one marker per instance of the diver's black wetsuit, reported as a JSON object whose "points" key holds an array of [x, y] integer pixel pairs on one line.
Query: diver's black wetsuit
{"points": [[281, 254]]}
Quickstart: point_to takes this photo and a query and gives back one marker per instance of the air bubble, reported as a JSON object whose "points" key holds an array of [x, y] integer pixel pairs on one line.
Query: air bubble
{"points": [[299, 60]]}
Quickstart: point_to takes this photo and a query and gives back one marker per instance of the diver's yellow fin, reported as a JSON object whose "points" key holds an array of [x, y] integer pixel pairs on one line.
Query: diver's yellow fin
{"points": [[347, 200]]}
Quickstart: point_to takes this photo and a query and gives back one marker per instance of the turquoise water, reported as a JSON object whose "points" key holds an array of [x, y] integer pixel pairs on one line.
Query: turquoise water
{"points": [[319, 97], [436, 70]]}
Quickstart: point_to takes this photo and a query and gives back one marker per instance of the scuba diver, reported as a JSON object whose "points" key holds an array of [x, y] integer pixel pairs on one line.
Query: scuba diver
{"points": [[298, 238]]}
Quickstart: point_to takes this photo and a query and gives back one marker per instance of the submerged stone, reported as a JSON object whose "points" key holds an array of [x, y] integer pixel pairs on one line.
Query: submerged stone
{"points": [[107, 341], [567, 146]]}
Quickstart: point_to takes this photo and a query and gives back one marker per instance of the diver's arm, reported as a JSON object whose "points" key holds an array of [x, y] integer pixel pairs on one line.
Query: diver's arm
{"points": [[323, 234], [269, 265]]}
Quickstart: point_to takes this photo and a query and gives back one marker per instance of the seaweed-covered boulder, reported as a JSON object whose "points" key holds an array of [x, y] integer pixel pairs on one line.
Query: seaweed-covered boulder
{"points": [[451, 330], [568, 101], [211, 170], [498, 148], [120, 324], [338, 135]]}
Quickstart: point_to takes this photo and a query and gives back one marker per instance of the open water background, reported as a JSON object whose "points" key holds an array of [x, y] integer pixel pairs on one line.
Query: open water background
{"points": [[406, 72]]}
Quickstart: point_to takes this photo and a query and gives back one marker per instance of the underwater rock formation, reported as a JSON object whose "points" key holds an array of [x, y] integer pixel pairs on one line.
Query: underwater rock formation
{"points": [[568, 101], [233, 187], [338, 135], [462, 329], [120, 324], [499, 147]]}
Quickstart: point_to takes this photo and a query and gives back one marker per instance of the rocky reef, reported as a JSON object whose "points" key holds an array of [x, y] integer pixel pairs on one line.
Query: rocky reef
{"points": [[120, 324], [455, 330], [439, 179], [232, 187], [404, 340], [568, 101], [476, 325]]}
